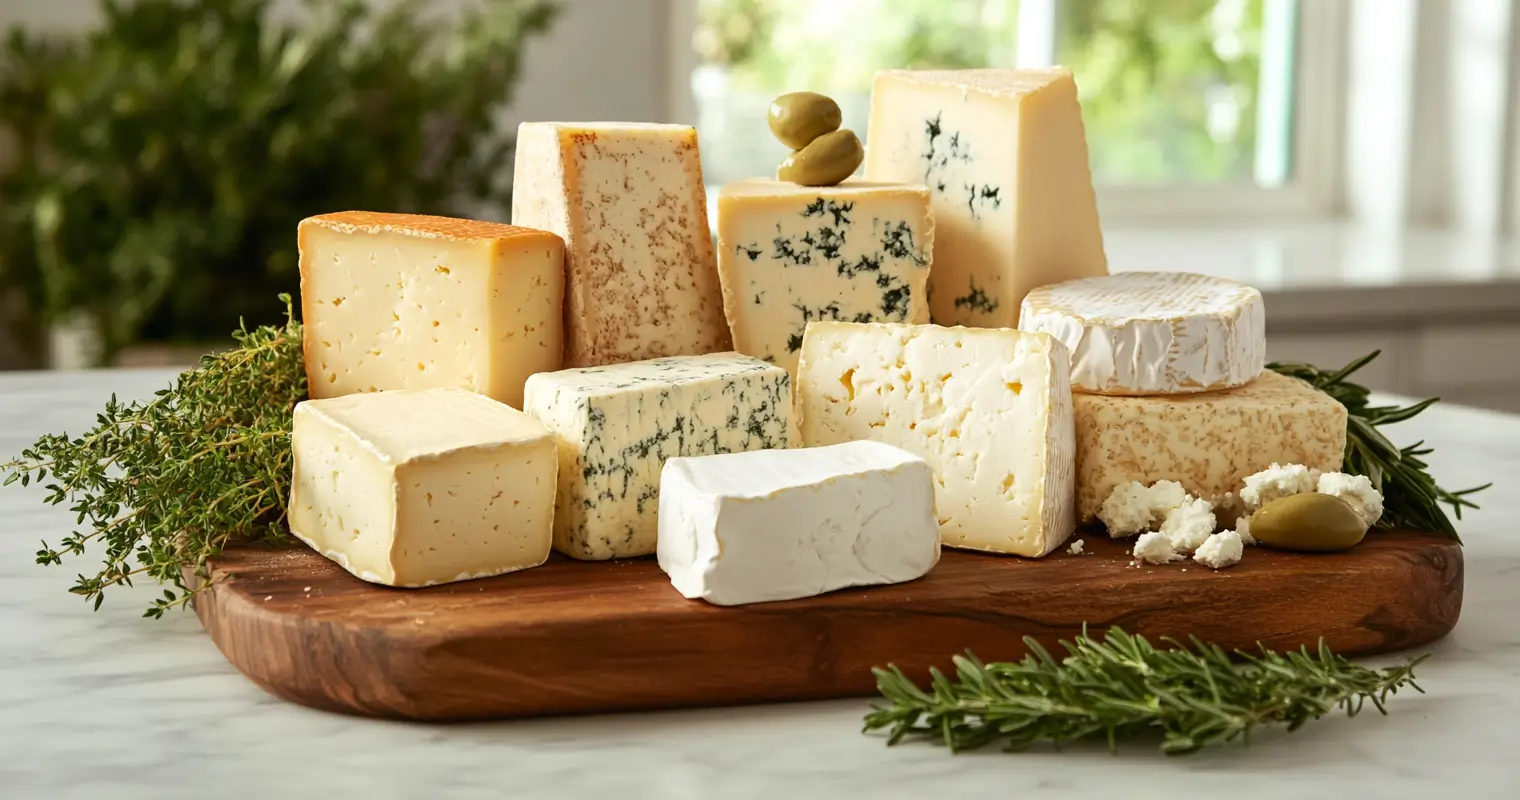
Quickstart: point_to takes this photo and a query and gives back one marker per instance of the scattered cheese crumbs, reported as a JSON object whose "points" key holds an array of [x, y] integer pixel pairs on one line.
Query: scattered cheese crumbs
{"points": [[1357, 491], [1220, 550], [1132, 508], [1076, 548], [1278, 481], [1243, 530], [1187, 525], [1155, 548], [307, 589], [268, 597]]}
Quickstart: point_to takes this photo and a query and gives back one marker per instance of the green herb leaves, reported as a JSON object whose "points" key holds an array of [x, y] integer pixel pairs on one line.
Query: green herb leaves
{"points": [[1411, 497], [1122, 687], [164, 485]]}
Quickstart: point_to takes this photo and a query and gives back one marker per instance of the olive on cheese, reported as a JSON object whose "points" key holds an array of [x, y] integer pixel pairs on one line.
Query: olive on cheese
{"points": [[826, 161], [1308, 521], [800, 117]]}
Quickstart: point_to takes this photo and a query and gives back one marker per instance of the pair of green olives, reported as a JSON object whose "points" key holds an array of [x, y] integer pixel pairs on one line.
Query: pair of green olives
{"points": [[1309, 521], [823, 154]]}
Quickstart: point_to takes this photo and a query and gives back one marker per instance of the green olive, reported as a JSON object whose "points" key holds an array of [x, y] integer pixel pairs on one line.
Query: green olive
{"points": [[830, 159], [1309, 521], [800, 117]]}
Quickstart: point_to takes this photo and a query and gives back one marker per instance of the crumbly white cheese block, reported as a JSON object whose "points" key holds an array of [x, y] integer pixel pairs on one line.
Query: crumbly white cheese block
{"points": [[990, 410], [782, 524], [789, 254], [1276, 482], [401, 301], [416, 488], [1208, 442], [1221, 550], [1357, 490], [1133, 507], [1155, 548], [1189, 524], [1004, 155], [628, 199], [616, 425], [1153, 332]]}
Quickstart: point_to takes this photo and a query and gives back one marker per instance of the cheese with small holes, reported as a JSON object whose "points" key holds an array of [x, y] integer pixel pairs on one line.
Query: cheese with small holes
{"points": [[1004, 155], [772, 525], [1153, 332], [789, 254], [1209, 441], [416, 488], [402, 301], [628, 199], [616, 425], [989, 409]]}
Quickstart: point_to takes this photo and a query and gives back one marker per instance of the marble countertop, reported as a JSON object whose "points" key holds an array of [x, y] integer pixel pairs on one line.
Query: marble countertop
{"points": [[111, 705]]}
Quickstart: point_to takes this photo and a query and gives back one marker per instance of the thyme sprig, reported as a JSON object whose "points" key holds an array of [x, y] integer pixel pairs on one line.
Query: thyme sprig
{"points": [[166, 484], [1122, 687], [1411, 498]]}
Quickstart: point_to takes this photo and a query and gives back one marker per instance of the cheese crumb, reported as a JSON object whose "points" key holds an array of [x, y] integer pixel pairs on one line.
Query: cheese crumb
{"points": [[1276, 482], [1220, 550], [1243, 530], [1076, 548], [1189, 524], [1155, 548], [1133, 508], [1357, 491]]}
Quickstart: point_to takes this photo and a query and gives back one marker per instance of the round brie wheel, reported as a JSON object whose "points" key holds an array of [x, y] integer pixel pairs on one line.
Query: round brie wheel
{"points": [[1149, 333]]}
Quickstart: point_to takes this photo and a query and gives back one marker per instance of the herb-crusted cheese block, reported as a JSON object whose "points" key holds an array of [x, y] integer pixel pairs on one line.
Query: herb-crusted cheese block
{"points": [[1153, 332], [1208, 442], [628, 199], [790, 254], [616, 425], [781, 524], [1004, 154], [415, 488], [989, 409], [401, 301]]}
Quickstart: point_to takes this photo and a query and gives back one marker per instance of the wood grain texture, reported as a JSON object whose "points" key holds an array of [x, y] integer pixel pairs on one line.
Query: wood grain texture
{"points": [[572, 637]]}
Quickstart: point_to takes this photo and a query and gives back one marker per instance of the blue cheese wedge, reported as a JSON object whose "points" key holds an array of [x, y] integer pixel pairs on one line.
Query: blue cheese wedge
{"points": [[789, 255], [782, 524], [616, 426], [415, 488]]}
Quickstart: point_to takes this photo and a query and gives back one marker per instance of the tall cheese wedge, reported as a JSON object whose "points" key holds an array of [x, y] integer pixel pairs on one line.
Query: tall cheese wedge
{"points": [[416, 488], [989, 409], [628, 199], [790, 254], [616, 425], [1208, 442], [1144, 333], [1004, 153], [401, 301]]}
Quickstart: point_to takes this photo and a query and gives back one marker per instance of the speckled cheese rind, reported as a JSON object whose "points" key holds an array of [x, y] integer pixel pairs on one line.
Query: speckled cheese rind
{"points": [[641, 280], [1208, 442]]}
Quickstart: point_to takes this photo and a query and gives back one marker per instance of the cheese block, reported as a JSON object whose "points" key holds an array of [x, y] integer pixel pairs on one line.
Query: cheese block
{"points": [[401, 301], [616, 426], [1153, 332], [628, 199], [989, 409], [416, 488], [790, 254], [782, 524], [1208, 442], [1004, 155]]}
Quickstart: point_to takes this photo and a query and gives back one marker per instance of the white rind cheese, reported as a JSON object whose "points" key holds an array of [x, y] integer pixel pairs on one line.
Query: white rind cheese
{"points": [[616, 425], [1139, 333], [641, 281], [1004, 156], [773, 525], [416, 488], [990, 410], [789, 254]]}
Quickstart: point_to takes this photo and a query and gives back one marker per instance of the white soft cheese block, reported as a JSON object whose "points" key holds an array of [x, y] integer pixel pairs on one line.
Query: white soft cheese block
{"points": [[416, 488], [616, 425], [781, 524], [989, 409], [1209, 442], [1004, 155], [790, 254], [628, 199], [1139, 333], [401, 301]]}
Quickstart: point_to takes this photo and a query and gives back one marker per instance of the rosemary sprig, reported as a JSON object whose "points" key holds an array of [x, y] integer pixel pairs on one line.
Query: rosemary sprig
{"points": [[166, 484], [1411, 497], [1123, 687]]}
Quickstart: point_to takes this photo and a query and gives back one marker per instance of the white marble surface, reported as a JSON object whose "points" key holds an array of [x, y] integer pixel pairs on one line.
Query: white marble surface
{"points": [[108, 705]]}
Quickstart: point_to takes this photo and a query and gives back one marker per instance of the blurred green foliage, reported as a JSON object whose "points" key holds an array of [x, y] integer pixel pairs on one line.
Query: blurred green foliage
{"points": [[158, 164]]}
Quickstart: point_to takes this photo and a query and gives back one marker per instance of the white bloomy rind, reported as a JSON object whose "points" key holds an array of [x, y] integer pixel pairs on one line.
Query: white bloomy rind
{"points": [[774, 525], [1142, 333]]}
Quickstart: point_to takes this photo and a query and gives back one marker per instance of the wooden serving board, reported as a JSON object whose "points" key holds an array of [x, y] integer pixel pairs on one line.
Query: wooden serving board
{"points": [[572, 637]]}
